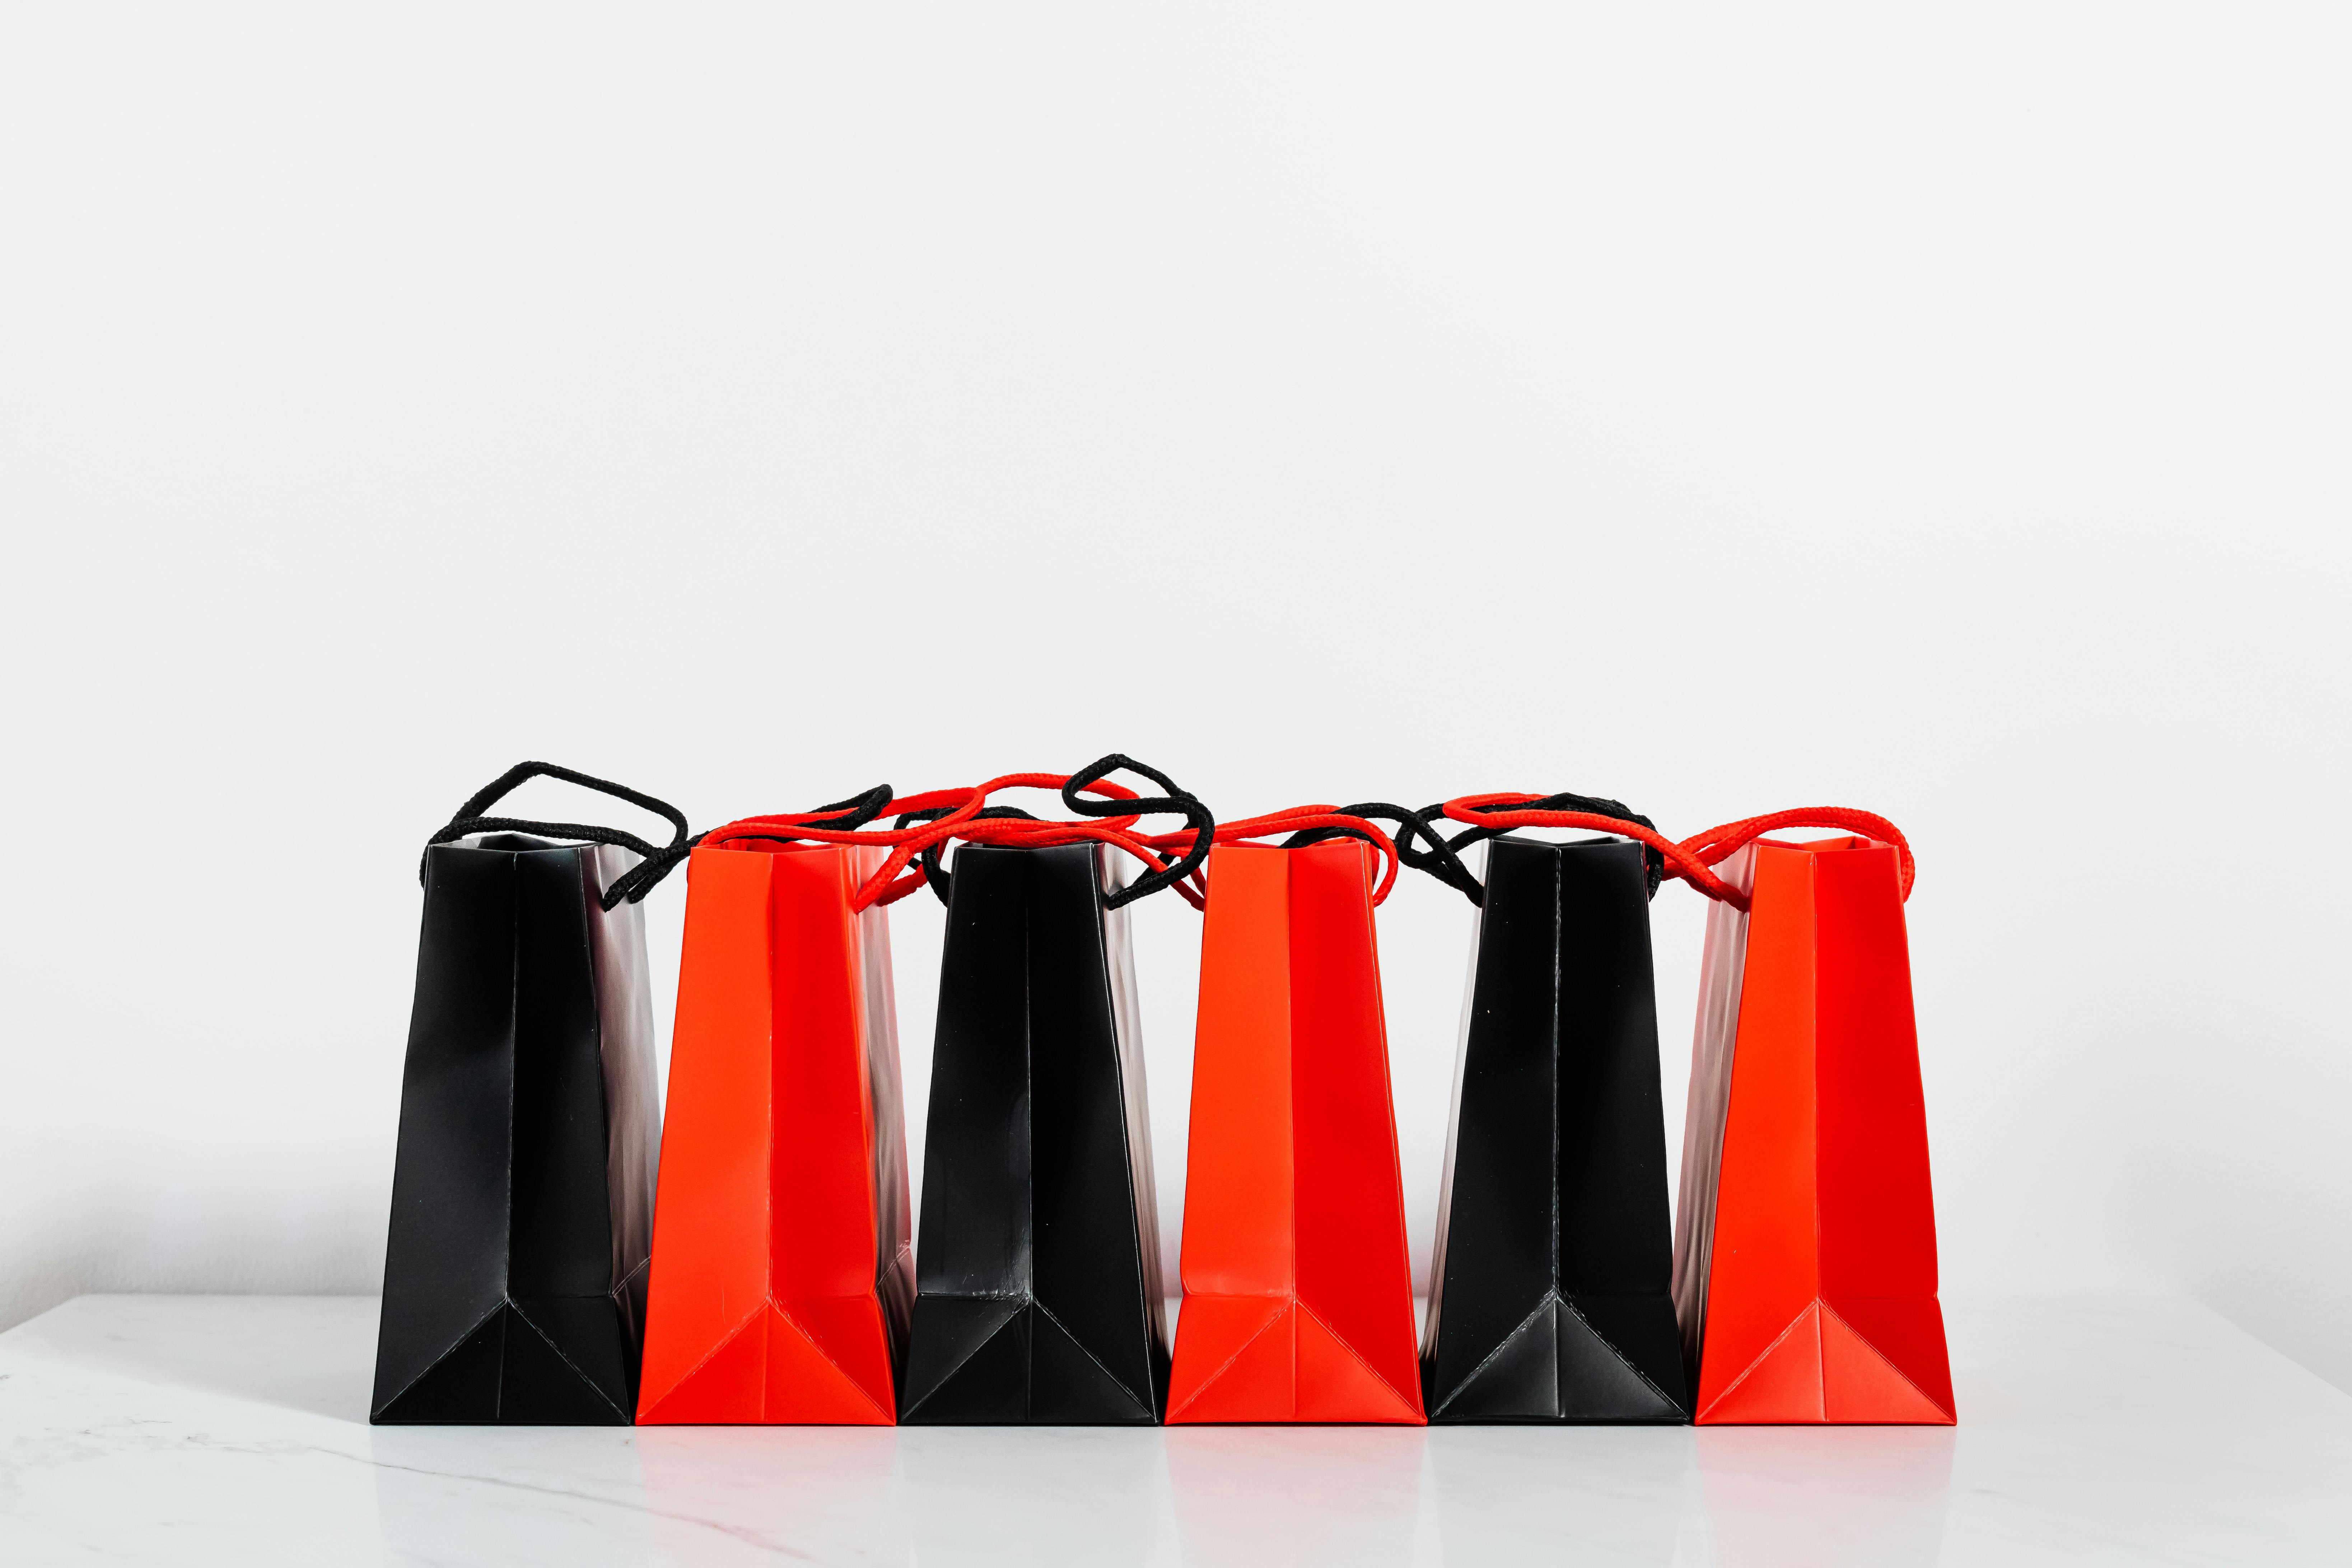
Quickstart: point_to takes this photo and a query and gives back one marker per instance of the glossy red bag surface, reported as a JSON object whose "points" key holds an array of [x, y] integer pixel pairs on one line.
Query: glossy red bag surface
{"points": [[783, 1274], [1297, 1287], [1805, 1240]]}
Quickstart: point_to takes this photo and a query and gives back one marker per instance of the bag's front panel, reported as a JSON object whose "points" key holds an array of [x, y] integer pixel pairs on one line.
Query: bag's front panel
{"points": [[1616, 1254], [825, 1204], [976, 1183], [560, 1271], [1238, 1174], [1615, 1232], [1878, 1215], [1089, 1266], [1234, 1355], [446, 1256], [821, 1185], [1878, 1208], [710, 1258], [1764, 1270], [562, 1237], [1499, 1239], [968, 1356], [1355, 1276]]}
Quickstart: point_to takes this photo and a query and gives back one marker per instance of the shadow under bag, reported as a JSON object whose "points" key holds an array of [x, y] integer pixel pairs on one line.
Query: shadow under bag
{"points": [[1549, 1298], [1037, 1273], [522, 1190]]}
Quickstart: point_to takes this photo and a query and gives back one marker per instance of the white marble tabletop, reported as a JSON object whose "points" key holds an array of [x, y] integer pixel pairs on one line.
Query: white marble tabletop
{"points": [[199, 1430]]}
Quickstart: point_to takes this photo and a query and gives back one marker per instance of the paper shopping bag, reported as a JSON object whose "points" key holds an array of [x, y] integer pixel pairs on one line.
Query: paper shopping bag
{"points": [[1297, 1288], [1805, 1247], [523, 1183], [1549, 1287], [782, 1273], [1037, 1276]]}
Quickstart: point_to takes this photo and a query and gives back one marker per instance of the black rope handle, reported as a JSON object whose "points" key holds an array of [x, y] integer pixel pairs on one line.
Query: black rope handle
{"points": [[631, 885], [1177, 801], [935, 870], [1653, 863], [1438, 860]]}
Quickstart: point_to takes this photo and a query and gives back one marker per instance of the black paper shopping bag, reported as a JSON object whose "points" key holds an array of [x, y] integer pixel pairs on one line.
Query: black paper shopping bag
{"points": [[1037, 1290], [522, 1191], [1549, 1290], [1037, 1276]]}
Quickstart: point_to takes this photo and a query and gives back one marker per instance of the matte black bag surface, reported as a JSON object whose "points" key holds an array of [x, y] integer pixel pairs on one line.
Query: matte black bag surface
{"points": [[523, 1188], [1550, 1291], [1037, 1264]]}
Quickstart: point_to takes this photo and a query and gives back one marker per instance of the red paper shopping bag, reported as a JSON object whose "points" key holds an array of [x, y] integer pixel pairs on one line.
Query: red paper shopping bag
{"points": [[1298, 1289], [783, 1272], [1805, 1240]]}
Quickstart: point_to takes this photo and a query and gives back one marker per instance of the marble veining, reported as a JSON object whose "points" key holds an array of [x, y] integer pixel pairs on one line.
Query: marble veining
{"points": [[200, 1431]]}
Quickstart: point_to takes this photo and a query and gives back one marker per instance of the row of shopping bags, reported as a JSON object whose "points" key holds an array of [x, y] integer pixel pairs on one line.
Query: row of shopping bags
{"points": [[540, 1270]]}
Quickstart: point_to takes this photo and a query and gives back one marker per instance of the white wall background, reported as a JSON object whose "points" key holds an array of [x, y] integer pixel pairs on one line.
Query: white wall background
{"points": [[1941, 411]]}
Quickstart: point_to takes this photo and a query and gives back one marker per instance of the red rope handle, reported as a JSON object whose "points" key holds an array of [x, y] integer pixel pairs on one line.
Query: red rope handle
{"points": [[1009, 831], [1694, 857], [1293, 820], [966, 804], [1680, 861], [1693, 860], [1014, 832], [799, 824], [1717, 844]]}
